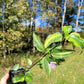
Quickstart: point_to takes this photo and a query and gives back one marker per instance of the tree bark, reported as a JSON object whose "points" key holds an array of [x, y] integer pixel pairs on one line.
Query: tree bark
{"points": [[79, 8], [64, 13], [33, 25], [4, 48], [55, 15]]}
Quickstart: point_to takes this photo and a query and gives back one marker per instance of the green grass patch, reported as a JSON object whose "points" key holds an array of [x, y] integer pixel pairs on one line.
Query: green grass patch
{"points": [[69, 72]]}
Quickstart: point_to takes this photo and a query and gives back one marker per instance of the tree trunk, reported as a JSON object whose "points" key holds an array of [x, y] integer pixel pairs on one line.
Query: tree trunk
{"points": [[33, 42], [4, 48], [4, 51], [55, 15], [33, 25], [79, 8], [9, 52], [48, 21], [64, 13]]}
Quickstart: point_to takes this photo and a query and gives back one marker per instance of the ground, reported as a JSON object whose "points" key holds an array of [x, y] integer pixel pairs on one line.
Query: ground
{"points": [[69, 72]]}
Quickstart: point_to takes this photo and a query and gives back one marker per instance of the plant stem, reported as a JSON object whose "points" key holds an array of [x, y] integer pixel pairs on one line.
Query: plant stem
{"points": [[37, 61]]}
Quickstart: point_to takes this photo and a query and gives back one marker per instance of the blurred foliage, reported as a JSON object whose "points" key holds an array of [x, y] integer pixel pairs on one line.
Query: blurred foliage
{"points": [[17, 21]]}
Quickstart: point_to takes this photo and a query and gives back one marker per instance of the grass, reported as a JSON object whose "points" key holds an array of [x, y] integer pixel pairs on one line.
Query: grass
{"points": [[69, 72]]}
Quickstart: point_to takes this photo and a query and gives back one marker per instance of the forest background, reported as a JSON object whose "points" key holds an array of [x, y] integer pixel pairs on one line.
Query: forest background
{"points": [[18, 19]]}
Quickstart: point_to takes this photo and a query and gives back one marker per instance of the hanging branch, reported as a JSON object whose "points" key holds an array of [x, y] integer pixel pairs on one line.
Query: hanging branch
{"points": [[79, 8]]}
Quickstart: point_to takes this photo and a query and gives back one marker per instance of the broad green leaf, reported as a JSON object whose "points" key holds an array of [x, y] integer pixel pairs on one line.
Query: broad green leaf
{"points": [[61, 53], [39, 45], [16, 67], [29, 73], [49, 59], [75, 34], [73, 46], [26, 68], [76, 40], [29, 62], [67, 29], [54, 45], [46, 66], [82, 41], [56, 37], [18, 78], [28, 76], [48, 50], [59, 46]]}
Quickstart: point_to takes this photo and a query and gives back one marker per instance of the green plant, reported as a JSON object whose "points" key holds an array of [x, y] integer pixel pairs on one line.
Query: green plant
{"points": [[52, 51]]}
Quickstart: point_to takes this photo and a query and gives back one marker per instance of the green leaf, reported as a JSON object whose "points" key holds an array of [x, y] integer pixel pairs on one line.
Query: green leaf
{"points": [[28, 76], [75, 34], [73, 46], [16, 67], [46, 66], [40, 65], [82, 41], [76, 40], [48, 50], [59, 46], [54, 45], [26, 68], [18, 78], [56, 37], [67, 29], [61, 53], [49, 59], [39, 45], [29, 62]]}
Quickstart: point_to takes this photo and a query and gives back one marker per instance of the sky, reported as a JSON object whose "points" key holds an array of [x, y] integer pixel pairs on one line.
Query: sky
{"points": [[39, 22]]}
